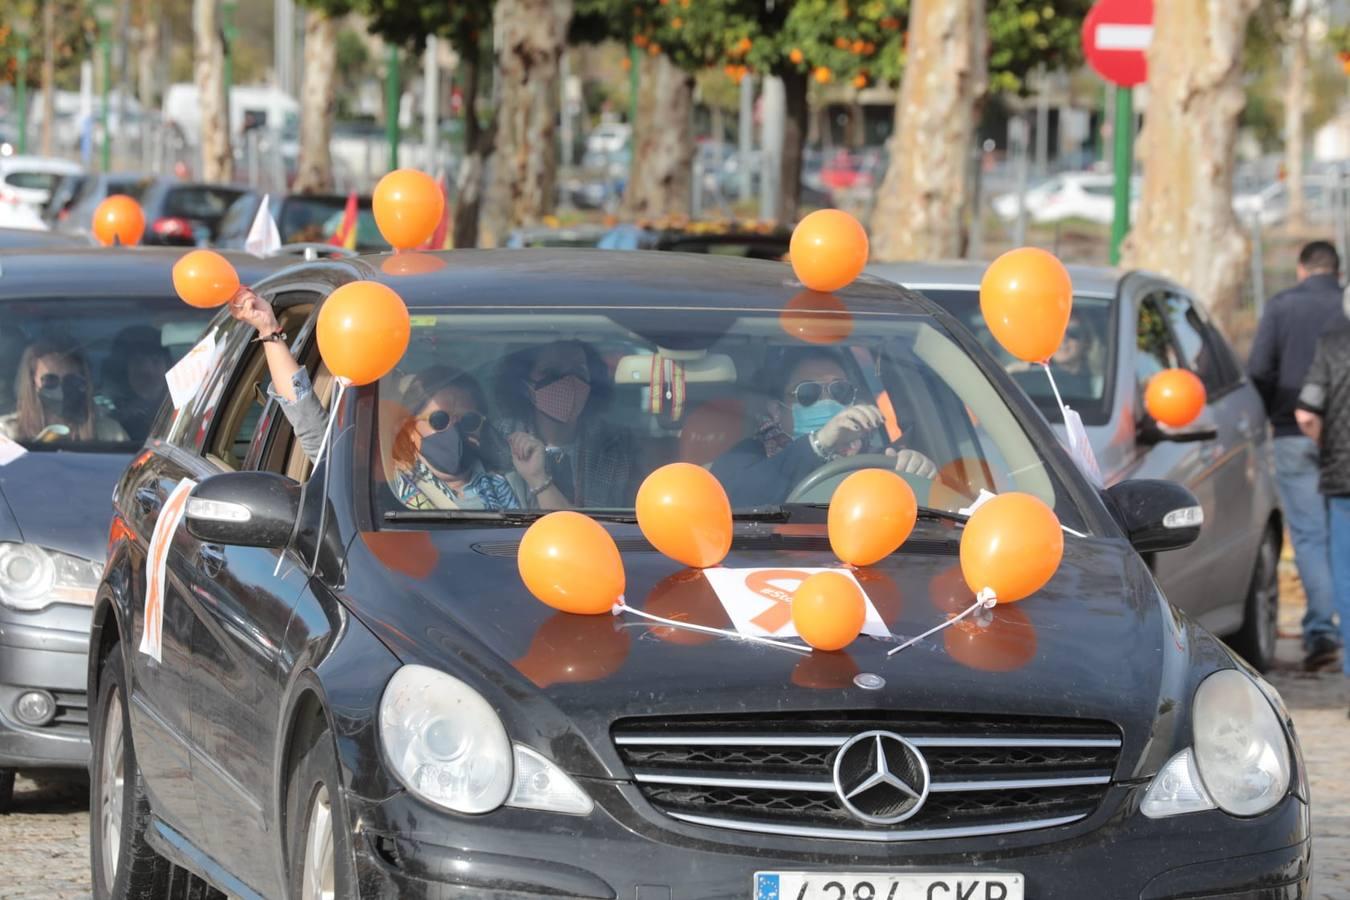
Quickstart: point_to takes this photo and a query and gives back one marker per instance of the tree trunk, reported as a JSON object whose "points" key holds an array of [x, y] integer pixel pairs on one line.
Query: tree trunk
{"points": [[663, 141], [1187, 229], [48, 74], [1295, 103], [477, 144], [209, 71], [314, 170], [925, 197], [522, 189], [796, 122], [147, 56]]}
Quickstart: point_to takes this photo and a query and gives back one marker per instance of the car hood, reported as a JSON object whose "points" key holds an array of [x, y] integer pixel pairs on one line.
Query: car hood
{"points": [[1098, 642], [62, 500]]}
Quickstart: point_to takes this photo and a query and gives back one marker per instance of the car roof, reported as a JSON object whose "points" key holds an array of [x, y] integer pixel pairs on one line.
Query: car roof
{"points": [[600, 279], [25, 238], [1100, 281], [107, 271], [41, 164]]}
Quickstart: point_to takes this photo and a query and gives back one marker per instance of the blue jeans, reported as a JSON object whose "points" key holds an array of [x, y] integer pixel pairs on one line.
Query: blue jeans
{"points": [[1305, 512], [1340, 565]]}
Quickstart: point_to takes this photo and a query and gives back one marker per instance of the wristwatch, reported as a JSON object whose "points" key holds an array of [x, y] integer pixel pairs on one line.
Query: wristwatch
{"points": [[277, 336], [815, 445]]}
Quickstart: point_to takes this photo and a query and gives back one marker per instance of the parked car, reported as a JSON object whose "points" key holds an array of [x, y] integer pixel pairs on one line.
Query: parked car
{"points": [[113, 323], [1070, 195], [185, 213], [561, 236], [753, 240], [370, 703], [34, 239], [1129, 326], [29, 180], [301, 219], [77, 196]]}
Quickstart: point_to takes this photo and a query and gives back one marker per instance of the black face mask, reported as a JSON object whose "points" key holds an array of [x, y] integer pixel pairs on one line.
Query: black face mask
{"points": [[64, 396], [445, 451]]}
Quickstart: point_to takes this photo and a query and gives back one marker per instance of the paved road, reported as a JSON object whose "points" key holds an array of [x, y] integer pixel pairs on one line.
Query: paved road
{"points": [[44, 844]]}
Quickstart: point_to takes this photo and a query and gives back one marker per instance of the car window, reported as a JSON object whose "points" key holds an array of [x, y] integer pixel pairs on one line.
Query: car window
{"points": [[1191, 333], [198, 202], [368, 237], [733, 391], [1155, 349], [88, 374], [38, 181], [1082, 367], [236, 221]]}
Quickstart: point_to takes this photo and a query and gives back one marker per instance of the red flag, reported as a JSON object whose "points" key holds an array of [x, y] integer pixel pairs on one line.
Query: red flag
{"points": [[345, 236], [442, 237]]}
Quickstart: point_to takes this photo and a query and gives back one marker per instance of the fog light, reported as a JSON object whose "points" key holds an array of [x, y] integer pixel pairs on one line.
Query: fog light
{"points": [[35, 708]]}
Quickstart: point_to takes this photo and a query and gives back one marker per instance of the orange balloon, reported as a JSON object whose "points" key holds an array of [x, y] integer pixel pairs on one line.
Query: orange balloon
{"points": [[1175, 397], [119, 220], [571, 563], [411, 264], [1011, 545], [574, 649], [1006, 643], [684, 512], [204, 278], [1026, 297], [871, 514], [828, 610], [828, 250], [363, 331], [408, 205], [816, 318]]}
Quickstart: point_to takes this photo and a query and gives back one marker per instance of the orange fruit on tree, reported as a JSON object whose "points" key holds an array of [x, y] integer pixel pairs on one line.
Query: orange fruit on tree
{"points": [[823, 75], [796, 56], [858, 46], [841, 43], [860, 81]]}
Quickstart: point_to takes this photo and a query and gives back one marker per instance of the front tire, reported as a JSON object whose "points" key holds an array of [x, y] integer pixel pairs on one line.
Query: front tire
{"points": [[1255, 640], [319, 857], [124, 864]]}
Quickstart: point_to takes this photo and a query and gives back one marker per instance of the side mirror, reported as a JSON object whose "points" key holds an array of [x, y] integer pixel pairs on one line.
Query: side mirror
{"points": [[1156, 515], [244, 509], [1150, 433]]}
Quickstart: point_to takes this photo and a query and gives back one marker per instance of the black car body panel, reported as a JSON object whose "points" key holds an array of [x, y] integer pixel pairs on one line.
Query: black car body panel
{"points": [[259, 642]]}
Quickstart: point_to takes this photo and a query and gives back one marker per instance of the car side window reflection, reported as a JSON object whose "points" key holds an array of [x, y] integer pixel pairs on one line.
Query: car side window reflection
{"points": [[1154, 349], [1191, 335]]}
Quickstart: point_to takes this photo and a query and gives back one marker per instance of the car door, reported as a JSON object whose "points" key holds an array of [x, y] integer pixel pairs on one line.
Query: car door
{"points": [[1235, 527], [1186, 576], [245, 597]]}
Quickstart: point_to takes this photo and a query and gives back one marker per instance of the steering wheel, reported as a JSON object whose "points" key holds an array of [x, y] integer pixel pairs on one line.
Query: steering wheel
{"points": [[819, 486]]}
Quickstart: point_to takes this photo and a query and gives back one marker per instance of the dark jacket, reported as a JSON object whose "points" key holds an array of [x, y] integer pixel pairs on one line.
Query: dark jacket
{"points": [[1285, 340], [753, 477], [1327, 393]]}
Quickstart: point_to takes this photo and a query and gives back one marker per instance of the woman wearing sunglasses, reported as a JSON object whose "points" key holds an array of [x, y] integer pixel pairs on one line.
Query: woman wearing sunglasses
{"points": [[55, 398], [813, 417], [446, 454]]}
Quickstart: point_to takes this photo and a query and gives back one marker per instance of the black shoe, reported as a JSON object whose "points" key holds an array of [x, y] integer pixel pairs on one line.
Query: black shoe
{"points": [[1323, 654]]}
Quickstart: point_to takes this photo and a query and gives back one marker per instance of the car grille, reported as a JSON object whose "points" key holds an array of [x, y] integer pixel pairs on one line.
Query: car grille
{"points": [[988, 774]]}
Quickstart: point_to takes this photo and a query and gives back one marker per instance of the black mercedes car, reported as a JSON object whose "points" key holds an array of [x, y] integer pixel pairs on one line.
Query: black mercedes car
{"points": [[86, 336], [330, 681]]}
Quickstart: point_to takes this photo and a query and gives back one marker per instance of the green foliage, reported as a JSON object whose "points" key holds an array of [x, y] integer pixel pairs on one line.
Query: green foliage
{"points": [[1026, 33], [75, 34], [409, 22]]}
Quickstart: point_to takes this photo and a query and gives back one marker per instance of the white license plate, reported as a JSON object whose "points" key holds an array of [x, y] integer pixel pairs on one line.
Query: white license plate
{"points": [[878, 886]]}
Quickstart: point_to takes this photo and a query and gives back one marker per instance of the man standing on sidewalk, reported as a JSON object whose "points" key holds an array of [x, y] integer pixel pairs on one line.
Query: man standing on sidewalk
{"points": [[1324, 415], [1280, 358]]}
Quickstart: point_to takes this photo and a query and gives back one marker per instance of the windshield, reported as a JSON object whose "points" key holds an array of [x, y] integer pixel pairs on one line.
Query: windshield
{"points": [[494, 411], [1080, 367], [318, 220], [88, 374]]}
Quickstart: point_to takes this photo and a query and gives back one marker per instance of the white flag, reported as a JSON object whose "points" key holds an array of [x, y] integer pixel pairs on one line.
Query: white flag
{"points": [[263, 238]]}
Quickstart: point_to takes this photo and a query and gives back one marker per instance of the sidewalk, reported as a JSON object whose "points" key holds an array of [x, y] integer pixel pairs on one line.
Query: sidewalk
{"points": [[1318, 703]]}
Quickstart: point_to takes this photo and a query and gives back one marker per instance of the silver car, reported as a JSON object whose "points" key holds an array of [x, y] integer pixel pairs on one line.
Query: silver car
{"points": [[1127, 326]]}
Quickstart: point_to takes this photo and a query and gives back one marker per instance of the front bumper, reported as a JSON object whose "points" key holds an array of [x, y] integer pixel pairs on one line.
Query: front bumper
{"points": [[626, 850], [34, 655]]}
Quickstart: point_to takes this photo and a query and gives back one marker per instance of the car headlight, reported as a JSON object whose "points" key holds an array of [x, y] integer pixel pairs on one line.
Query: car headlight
{"points": [[33, 578], [1240, 747], [447, 745], [1240, 761]]}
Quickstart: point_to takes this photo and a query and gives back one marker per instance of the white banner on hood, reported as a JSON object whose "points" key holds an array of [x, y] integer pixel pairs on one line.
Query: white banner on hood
{"points": [[157, 569], [759, 601]]}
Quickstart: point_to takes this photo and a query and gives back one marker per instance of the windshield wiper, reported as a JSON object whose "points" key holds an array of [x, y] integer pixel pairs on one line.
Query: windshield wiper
{"points": [[503, 516], [772, 513], [927, 513]]}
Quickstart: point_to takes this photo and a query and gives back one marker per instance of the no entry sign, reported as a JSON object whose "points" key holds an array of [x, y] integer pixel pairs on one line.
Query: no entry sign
{"points": [[1116, 35]]}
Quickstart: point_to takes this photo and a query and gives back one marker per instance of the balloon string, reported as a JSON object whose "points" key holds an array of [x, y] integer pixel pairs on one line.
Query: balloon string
{"points": [[332, 417], [1063, 410], [674, 623], [984, 600]]}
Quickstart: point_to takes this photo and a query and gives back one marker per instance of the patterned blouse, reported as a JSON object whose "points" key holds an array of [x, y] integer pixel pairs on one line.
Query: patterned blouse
{"points": [[484, 489]]}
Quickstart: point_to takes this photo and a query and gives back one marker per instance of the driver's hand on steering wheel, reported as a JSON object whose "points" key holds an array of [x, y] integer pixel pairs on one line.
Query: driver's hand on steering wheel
{"points": [[848, 426], [913, 462]]}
